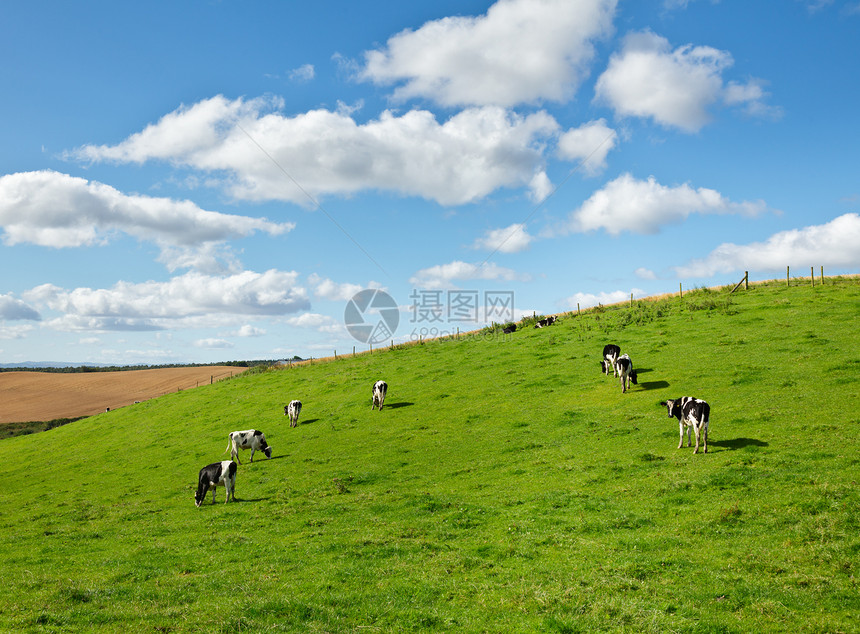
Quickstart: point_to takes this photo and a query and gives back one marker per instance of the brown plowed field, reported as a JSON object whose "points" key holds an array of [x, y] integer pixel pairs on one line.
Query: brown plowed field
{"points": [[45, 396]]}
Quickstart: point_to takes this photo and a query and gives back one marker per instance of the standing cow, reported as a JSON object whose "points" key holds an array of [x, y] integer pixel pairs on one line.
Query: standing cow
{"points": [[252, 439], [692, 414], [211, 476], [380, 389], [624, 369], [610, 356], [293, 410]]}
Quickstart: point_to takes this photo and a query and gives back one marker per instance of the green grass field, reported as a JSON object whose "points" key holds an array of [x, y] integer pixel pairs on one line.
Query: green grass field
{"points": [[507, 486]]}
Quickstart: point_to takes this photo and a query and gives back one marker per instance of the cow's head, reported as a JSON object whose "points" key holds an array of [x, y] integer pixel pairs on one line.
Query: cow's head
{"points": [[633, 377], [603, 366], [673, 407], [198, 500]]}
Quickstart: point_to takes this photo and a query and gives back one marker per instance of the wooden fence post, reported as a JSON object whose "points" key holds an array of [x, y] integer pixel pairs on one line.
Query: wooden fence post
{"points": [[577, 308], [822, 276], [746, 280], [787, 283], [681, 289], [631, 300], [812, 275]]}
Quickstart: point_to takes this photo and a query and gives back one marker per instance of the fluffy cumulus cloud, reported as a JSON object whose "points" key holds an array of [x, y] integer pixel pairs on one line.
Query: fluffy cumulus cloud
{"points": [[676, 87], [445, 275], [589, 144], [51, 209], [512, 239], [325, 288], [320, 323], [587, 300], [256, 153], [155, 305], [833, 244], [637, 206], [12, 309], [520, 51]]}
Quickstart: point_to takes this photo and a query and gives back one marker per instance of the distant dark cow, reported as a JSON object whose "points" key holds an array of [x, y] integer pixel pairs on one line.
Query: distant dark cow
{"points": [[548, 321], [624, 369], [610, 356], [293, 410], [214, 474], [509, 329], [250, 439], [692, 414], [380, 389]]}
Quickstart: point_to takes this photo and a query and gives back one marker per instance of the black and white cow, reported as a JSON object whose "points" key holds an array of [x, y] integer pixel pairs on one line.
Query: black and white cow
{"points": [[694, 415], [624, 369], [380, 389], [211, 476], [509, 329], [249, 439], [610, 356], [548, 321], [293, 410]]}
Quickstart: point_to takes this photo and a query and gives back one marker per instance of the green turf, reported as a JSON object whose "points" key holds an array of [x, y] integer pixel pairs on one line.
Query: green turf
{"points": [[507, 486]]}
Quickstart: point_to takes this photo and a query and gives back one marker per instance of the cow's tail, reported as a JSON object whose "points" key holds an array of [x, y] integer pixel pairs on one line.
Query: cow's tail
{"points": [[229, 442]]}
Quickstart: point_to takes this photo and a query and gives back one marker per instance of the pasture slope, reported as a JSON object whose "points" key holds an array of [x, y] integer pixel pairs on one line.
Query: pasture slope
{"points": [[507, 486]]}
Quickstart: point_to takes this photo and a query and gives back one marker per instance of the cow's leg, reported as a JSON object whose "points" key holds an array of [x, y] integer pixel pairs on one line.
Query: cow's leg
{"points": [[213, 493], [681, 432], [705, 433], [696, 429], [252, 454]]}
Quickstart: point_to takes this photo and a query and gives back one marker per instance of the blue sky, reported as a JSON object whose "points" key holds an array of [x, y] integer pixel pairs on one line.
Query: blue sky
{"points": [[210, 181]]}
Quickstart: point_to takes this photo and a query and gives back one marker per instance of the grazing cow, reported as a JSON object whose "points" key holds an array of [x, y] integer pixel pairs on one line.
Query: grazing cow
{"points": [[293, 410], [624, 369], [250, 439], [692, 413], [380, 389], [214, 474], [548, 321], [610, 356], [509, 329]]}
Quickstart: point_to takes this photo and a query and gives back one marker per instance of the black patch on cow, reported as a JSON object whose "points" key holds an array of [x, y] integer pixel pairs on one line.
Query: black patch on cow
{"points": [[257, 432], [611, 350]]}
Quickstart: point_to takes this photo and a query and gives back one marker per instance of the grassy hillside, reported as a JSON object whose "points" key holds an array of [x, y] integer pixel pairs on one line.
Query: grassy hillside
{"points": [[507, 486]]}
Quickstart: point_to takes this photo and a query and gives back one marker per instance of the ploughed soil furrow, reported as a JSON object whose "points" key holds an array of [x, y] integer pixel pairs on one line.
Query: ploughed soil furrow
{"points": [[45, 396]]}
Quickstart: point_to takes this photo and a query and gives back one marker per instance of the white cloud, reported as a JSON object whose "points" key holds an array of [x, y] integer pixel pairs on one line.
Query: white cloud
{"points": [[250, 331], [213, 344], [673, 87], [12, 309], [325, 288], [520, 51], [444, 275], [833, 244], [645, 274], [587, 300], [512, 239], [320, 323], [177, 302], [462, 160], [51, 209], [628, 204], [589, 143], [303, 73]]}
